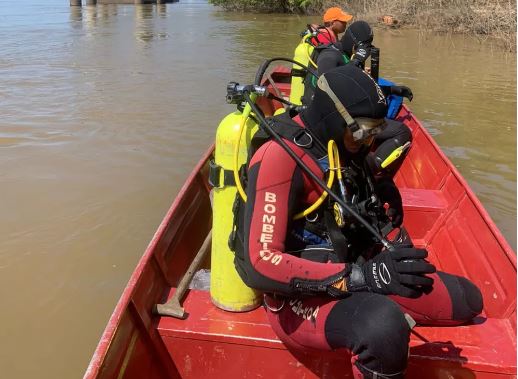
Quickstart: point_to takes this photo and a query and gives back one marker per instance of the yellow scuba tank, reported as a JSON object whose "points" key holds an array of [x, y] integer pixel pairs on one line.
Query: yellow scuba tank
{"points": [[302, 53], [227, 290], [233, 138], [315, 35]]}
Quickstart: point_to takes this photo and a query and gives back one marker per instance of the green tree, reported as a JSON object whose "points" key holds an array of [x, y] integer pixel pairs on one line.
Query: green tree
{"points": [[286, 6]]}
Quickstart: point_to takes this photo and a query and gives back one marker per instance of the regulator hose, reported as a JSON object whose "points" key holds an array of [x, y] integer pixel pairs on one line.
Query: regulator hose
{"points": [[244, 117], [313, 176], [334, 166], [334, 163], [308, 55]]}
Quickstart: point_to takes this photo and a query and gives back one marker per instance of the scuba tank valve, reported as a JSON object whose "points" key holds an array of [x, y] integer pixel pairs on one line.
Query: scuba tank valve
{"points": [[235, 92]]}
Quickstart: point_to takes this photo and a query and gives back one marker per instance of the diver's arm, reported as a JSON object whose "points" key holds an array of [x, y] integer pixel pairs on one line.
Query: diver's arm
{"points": [[275, 184], [402, 91], [274, 190]]}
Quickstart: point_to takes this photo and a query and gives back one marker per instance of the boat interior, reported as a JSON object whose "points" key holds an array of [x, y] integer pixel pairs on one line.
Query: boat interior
{"points": [[441, 214]]}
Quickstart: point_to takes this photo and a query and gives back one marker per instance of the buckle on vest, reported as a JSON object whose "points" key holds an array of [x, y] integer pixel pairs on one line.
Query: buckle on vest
{"points": [[272, 308], [297, 139]]}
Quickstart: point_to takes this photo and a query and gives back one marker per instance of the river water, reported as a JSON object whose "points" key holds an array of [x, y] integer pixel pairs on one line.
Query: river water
{"points": [[105, 110]]}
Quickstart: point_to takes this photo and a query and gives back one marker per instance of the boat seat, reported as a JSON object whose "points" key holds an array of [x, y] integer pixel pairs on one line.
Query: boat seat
{"points": [[424, 210], [211, 342]]}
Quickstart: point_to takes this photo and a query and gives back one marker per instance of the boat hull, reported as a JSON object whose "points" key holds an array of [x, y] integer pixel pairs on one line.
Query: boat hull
{"points": [[441, 214]]}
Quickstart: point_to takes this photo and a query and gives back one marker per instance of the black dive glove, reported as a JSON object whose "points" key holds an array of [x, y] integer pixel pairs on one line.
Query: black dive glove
{"points": [[403, 91], [399, 272], [389, 193], [363, 51]]}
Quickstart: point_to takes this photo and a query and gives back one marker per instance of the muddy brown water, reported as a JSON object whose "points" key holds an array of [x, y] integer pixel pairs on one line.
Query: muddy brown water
{"points": [[105, 110]]}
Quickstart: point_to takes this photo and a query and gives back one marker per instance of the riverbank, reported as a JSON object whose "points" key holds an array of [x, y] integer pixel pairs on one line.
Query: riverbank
{"points": [[494, 20], [106, 2]]}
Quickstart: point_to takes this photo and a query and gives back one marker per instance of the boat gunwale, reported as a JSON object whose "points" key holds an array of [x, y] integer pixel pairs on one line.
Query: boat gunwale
{"points": [[122, 305], [473, 197]]}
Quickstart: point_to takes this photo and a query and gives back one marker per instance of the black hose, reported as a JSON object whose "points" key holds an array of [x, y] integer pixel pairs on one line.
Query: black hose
{"points": [[262, 68], [280, 100], [313, 176]]}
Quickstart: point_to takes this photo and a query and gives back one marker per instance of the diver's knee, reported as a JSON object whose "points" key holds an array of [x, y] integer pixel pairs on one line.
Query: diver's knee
{"points": [[473, 298], [466, 298], [385, 326]]}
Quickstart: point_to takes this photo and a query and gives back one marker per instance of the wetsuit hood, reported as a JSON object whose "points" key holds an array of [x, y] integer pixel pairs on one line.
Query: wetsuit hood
{"points": [[359, 32], [356, 90]]}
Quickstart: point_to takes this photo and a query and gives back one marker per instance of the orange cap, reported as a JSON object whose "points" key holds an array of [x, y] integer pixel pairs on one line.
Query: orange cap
{"points": [[335, 13]]}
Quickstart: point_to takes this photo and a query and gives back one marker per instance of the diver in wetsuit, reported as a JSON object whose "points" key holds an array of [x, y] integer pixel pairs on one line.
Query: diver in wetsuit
{"points": [[354, 47], [324, 291], [392, 144]]}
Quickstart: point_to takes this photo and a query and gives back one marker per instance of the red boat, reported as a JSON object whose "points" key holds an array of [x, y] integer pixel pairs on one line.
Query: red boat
{"points": [[441, 213]]}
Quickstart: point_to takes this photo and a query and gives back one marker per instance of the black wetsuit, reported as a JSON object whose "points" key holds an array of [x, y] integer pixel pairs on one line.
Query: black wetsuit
{"points": [[358, 35], [331, 57], [326, 57]]}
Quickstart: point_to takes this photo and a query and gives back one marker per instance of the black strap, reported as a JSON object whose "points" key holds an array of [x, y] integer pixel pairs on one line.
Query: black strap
{"points": [[316, 227], [338, 239], [327, 46], [298, 73], [215, 178], [385, 231], [291, 131]]}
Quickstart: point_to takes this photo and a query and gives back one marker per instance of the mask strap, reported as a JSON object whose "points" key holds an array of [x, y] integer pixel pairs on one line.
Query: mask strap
{"points": [[353, 37]]}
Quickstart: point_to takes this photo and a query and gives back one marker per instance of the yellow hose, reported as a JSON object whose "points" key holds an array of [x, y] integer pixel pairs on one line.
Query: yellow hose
{"points": [[244, 117], [307, 49], [334, 165]]}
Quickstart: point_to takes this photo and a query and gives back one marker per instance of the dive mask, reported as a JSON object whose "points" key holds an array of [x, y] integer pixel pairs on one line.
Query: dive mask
{"points": [[366, 128]]}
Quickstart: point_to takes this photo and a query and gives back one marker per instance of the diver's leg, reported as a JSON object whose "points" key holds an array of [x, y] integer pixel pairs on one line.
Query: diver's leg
{"points": [[370, 326], [453, 300]]}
